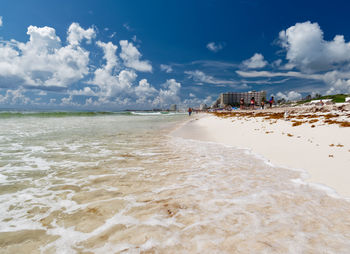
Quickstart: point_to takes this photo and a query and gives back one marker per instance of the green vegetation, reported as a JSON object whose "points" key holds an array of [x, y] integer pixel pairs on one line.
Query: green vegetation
{"points": [[335, 98]]}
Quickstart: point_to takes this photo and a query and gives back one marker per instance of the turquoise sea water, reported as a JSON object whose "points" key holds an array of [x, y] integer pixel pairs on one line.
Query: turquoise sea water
{"points": [[120, 183]]}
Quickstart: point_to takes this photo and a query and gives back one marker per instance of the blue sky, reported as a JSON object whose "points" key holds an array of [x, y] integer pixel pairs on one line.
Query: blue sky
{"points": [[113, 55]]}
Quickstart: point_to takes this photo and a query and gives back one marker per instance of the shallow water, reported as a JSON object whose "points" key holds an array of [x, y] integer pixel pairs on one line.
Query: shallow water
{"points": [[121, 184]]}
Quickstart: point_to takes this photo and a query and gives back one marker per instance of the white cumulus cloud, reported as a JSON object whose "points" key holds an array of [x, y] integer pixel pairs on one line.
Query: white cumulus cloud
{"points": [[215, 47], [131, 57], [200, 76], [42, 61], [145, 92], [290, 96], [169, 94], [110, 82], [109, 50], [194, 101], [68, 101], [308, 51], [166, 68], [76, 34], [87, 91], [14, 97], [256, 61], [45, 62], [269, 74], [113, 84]]}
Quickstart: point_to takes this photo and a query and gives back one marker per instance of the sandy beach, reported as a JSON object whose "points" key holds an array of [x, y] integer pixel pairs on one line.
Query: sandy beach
{"points": [[312, 139]]}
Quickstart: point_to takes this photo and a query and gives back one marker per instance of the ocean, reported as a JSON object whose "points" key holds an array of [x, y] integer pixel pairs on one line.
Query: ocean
{"points": [[121, 183]]}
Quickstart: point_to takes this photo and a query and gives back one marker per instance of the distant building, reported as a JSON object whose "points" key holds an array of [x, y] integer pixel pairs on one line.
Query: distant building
{"points": [[203, 107], [233, 98], [173, 107]]}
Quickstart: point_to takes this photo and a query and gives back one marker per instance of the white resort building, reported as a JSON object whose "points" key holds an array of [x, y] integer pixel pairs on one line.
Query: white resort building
{"points": [[233, 98]]}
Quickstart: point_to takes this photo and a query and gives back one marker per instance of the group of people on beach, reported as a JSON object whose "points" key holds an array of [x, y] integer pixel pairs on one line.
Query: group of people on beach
{"points": [[252, 103], [242, 104]]}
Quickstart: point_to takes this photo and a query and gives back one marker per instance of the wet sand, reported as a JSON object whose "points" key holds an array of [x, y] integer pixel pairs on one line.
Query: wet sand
{"points": [[312, 139]]}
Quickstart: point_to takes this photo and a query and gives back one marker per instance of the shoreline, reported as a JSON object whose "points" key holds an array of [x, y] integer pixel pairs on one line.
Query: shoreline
{"points": [[303, 140]]}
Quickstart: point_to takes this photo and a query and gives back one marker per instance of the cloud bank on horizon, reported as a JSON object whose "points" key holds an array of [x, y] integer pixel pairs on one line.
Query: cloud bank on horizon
{"points": [[47, 70]]}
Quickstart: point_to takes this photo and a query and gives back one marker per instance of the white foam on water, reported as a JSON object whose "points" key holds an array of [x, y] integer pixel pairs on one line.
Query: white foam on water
{"points": [[264, 191], [166, 194], [161, 221], [146, 154], [70, 237], [330, 191], [149, 245], [93, 177], [36, 163], [3, 178], [147, 113], [115, 248], [157, 113], [303, 174]]}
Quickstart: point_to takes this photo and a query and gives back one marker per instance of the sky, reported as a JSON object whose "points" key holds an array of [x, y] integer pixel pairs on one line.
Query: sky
{"points": [[134, 54]]}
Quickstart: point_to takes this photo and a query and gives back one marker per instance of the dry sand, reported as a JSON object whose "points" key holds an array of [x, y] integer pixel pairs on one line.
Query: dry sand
{"points": [[316, 144]]}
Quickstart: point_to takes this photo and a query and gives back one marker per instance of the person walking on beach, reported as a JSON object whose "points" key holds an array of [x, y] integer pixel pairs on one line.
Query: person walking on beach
{"points": [[271, 101], [252, 102], [189, 111], [262, 104], [241, 103]]}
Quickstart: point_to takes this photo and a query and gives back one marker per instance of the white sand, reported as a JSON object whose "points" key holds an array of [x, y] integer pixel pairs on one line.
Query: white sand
{"points": [[307, 149]]}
